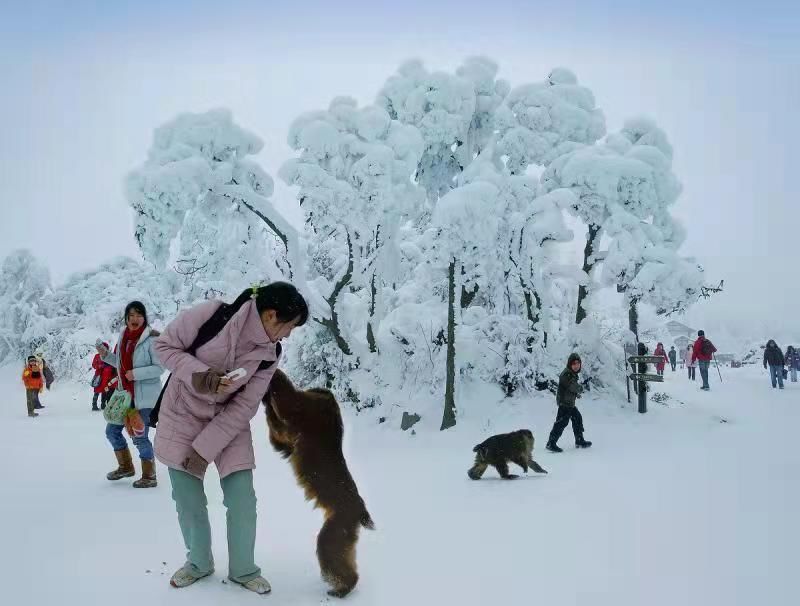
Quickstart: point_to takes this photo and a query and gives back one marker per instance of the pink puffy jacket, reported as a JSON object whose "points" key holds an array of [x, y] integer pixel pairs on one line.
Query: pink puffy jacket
{"points": [[219, 432]]}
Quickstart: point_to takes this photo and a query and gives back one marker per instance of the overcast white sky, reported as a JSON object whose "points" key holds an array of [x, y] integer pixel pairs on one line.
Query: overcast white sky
{"points": [[85, 83]]}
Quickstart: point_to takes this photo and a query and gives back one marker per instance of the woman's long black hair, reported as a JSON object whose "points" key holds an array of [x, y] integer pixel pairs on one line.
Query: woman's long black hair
{"points": [[283, 297]]}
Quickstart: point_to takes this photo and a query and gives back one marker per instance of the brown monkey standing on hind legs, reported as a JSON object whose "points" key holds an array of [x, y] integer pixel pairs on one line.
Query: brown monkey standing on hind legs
{"points": [[306, 428], [497, 451]]}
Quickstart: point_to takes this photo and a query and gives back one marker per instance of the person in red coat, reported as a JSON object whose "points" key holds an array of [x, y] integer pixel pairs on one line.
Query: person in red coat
{"points": [[661, 352], [703, 353], [103, 381]]}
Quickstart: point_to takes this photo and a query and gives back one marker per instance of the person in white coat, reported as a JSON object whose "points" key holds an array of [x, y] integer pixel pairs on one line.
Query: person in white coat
{"points": [[687, 359]]}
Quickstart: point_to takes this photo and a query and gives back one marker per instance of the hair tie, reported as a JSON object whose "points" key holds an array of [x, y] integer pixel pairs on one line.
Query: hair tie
{"points": [[255, 286]]}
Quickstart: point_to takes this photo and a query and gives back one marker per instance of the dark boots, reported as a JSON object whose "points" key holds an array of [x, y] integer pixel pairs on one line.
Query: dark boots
{"points": [[581, 443], [124, 466], [148, 479], [553, 447]]}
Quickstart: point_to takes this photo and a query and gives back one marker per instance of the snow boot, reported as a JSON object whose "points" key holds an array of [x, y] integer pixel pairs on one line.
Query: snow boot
{"points": [[125, 466], [553, 447], [33, 414], [582, 443], [148, 479]]}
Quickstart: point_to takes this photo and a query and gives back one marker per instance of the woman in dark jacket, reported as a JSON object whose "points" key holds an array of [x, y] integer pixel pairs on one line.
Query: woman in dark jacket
{"points": [[773, 358]]}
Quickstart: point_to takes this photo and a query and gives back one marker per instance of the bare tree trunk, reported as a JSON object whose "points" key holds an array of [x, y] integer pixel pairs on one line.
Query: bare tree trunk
{"points": [[633, 319], [332, 323], [449, 416], [373, 346], [588, 251]]}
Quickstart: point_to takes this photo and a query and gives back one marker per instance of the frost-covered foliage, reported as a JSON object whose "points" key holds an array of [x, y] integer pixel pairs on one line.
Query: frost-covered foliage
{"points": [[64, 322], [541, 121], [24, 280], [354, 175], [453, 112], [199, 189], [624, 189], [434, 242]]}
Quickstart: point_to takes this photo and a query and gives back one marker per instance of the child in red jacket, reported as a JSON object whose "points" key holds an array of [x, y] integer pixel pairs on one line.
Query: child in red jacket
{"points": [[34, 383], [104, 375]]}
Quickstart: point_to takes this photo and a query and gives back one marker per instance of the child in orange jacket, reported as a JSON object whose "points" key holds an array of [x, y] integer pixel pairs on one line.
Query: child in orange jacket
{"points": [[34, 382]]}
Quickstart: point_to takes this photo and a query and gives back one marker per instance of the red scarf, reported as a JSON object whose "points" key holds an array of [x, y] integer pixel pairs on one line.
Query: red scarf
{"points": [[126, 347]]}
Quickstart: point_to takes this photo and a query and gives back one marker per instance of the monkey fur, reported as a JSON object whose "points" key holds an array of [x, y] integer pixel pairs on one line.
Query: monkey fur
{"points": [[305, 427], [500, 450]]}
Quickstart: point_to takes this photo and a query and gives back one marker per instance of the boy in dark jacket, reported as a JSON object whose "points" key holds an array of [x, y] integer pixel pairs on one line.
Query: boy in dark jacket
{"points": [[568, 391], [774, 359]]}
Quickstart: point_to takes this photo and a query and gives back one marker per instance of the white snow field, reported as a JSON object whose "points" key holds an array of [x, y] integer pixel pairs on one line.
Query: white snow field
{"points": [[674, 507]]}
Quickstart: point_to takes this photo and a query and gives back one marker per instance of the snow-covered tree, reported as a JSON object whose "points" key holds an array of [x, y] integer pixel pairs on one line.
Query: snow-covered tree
{"points": [[467, 223], [491, 239], [453, 112], [354, 175], [541, 121], [628, 173], [90, 305], [24, 281], [199, 189]]}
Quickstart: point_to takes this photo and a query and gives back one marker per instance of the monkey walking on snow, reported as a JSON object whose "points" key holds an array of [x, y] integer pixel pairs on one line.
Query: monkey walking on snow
{"points": [[500, 450], [306, 428]]}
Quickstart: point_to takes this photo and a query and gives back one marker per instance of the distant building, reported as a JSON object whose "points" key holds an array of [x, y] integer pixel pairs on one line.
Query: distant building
{"points": [[682, 335], [681, 343]]}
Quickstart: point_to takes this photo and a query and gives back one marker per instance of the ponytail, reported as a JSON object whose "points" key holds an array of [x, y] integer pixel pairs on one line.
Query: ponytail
{"points": [[282, 297]]}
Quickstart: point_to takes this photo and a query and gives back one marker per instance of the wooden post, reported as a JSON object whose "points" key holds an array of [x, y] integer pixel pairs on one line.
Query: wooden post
{"points": [[642, 384]]}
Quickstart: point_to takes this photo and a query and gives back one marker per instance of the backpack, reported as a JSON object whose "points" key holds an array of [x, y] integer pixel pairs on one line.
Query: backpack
{"points": [[210, 329], [707, 348]]}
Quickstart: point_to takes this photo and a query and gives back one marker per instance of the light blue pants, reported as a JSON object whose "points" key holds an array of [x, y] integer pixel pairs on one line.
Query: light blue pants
{"points": [[240, 500], [776, 375]]}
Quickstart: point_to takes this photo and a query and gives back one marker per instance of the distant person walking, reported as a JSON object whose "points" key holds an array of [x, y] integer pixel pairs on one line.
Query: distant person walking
{"points": [[104, 375], [703, 352], [691, 365], [663, 354], [139, 371], [774, 359], [793, 362], [673, 357], [33, 380]]}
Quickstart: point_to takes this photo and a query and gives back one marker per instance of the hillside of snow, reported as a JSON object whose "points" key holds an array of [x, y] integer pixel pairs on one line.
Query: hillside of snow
{"points": [[694, 503]]}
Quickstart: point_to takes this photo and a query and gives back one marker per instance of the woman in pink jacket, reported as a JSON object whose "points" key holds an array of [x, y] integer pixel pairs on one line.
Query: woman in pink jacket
{"points": [[205, 417]]}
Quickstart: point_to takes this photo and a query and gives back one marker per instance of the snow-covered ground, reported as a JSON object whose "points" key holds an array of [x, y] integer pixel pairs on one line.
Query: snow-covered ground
{"points": [[674, 507]]}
